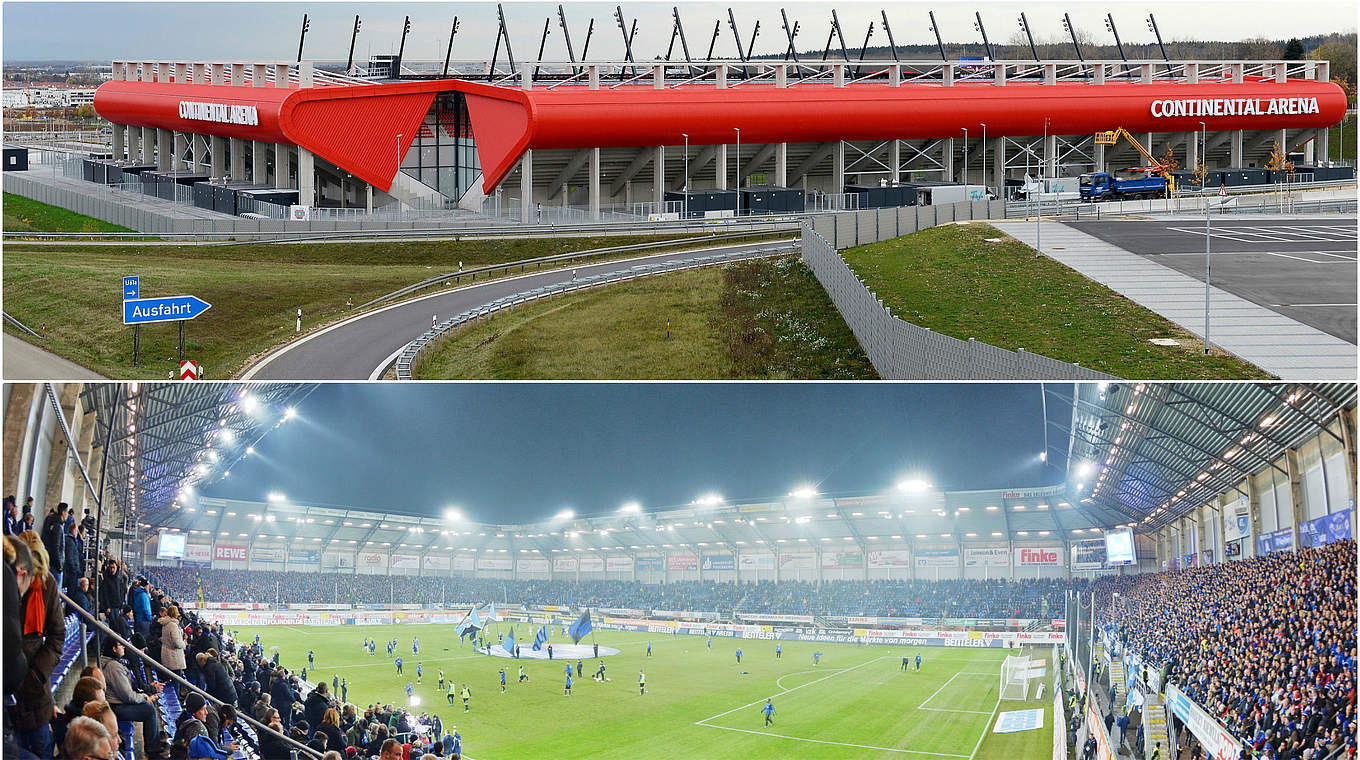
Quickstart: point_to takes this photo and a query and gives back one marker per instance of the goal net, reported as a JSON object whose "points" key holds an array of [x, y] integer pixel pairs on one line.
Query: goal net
{"points": [[1015, 677]]}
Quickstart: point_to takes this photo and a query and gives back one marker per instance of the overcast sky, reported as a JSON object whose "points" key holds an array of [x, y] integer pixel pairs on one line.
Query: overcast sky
{"points": [[103, 31], [520, 452]]}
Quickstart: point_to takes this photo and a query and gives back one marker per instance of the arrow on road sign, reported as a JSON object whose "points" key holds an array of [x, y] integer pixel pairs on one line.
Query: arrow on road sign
{"points": [[131, 288], [171, 309]]}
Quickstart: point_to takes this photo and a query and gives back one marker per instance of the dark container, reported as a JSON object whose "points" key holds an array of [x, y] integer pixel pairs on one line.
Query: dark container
{"points": [[16, 159]]}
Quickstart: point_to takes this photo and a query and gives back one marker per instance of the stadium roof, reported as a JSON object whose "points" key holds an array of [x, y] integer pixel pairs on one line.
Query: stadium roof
{"points": [[1155, 451], [169, 437]]}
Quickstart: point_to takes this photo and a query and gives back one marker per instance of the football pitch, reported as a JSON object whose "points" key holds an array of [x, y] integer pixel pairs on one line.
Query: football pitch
{"points": [[700, 702]]}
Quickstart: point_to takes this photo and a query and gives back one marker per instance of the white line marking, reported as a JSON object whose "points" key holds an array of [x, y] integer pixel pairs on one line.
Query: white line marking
{"points": [[787, 691], [838, 744], [780, 680], [946, 709], [986, 729], [1320, 305], [381, 369], [937, 691]]}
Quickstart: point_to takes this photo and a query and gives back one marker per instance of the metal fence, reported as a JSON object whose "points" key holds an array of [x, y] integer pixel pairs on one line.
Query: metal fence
{"points": [[435, 336], [898, 349]]}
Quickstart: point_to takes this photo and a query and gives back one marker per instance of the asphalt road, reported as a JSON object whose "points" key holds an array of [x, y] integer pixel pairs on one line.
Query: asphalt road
{"points": [[1304, 269], [356, 348], [24, 361]]}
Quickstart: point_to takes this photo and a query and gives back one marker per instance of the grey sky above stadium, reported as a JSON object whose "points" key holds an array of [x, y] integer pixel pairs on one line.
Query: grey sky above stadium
{"points": [[269, 31], [511, 453]]}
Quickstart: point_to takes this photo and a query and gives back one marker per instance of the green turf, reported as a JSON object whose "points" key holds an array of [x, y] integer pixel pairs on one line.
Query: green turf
{"points": [[951, 280], [766, 319], [1342, 139], [255, 291], [24, 215], [857, 703]]}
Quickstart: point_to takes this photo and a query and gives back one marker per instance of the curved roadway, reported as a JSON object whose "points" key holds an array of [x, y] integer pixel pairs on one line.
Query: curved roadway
{"points": [[362, 347]]}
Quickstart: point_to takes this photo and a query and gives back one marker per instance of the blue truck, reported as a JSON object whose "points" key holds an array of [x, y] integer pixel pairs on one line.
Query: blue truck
{"points": [[1101, 186]]}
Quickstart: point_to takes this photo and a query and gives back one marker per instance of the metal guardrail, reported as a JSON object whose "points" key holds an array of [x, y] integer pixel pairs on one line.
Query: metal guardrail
{"points": [[417, 348], [20, 325], [541, 260], [1262, 203]]}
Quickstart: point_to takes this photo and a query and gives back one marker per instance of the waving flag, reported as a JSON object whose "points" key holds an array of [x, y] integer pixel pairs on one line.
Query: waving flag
{"points": [[491, 616], [509, 644], [471, 624], [580, 628], [540, 638]]}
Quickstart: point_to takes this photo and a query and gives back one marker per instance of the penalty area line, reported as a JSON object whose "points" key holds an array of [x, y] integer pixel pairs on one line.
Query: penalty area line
{"points": [[787, 691], [986, 729], [838, 744]]}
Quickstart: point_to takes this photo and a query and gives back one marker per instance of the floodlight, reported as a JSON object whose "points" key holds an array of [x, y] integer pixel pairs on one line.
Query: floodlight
{"points": [[565, 514], [289, 413], [452, 513], [709, 500], [803, 492], [631, 508], [275, 496], [913, 486], [227, 436], [250, 450], [1043, 456], [248, 403], [1085, 469]]}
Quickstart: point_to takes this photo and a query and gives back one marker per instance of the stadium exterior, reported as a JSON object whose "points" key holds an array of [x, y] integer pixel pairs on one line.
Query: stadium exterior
{"points": [[620, 132]]}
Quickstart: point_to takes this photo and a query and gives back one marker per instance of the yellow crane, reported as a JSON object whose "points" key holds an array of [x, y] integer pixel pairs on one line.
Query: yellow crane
{"points": [[1154, 166]]}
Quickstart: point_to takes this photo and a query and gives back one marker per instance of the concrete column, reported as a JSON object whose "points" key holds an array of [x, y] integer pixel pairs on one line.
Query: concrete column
{"points": [[895, 162], [720, 167], [720, 80], [306, 178], [134, 144], [219, 157], [1309, 157], [238, 74], [838, 168], [281, 76], [594, 170], [1050, 73], [1145, 73], [593, 76], [198, 73], [781, 165], [838, 74], [148, 145], [1051, 156], [1191, 150], [999, 74], [238, 159], [1099, 73], [1146, 140], [282, 166], [1235, 148], [218, 74], [1192, 73], [181, 146], [947, 157], [659, 177], [165, 149], [119, 140], [999, 164], [368, 199], [658, 77], [947, 75], [526, 188], [259, 75], [259, 162], [200, 149], [781, 75], [1291, 465], [1283, 139]]}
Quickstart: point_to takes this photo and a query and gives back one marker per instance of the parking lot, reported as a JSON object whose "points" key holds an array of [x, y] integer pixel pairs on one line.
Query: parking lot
{"points": [[1302, 268]]}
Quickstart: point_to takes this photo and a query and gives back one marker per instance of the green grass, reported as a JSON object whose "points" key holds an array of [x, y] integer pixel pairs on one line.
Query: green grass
{"points": [[767, 319], [24, 215], [699, 703], [1337, 148], [949, 279], [255, 291]]}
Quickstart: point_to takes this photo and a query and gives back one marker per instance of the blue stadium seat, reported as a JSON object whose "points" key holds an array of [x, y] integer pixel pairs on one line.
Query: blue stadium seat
{"points": [[70, 651], [125, 731], [170, 706]]}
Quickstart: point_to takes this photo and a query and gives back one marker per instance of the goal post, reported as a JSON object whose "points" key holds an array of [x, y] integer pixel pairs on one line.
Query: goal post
{"points": [[1015, 676]]}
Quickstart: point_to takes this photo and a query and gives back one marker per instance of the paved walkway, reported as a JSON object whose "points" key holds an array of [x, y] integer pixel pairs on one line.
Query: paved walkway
{"points": [[24, 361], [1271, 341]]}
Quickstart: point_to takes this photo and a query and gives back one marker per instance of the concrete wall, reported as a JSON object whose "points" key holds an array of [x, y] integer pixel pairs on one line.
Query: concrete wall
{"points": [[898, 349]]}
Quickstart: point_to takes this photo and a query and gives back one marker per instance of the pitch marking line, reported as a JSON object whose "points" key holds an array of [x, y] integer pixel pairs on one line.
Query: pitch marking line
{"points": [[780, 680], [986, 729], [922, 706], [787, 691], [838, 744]]}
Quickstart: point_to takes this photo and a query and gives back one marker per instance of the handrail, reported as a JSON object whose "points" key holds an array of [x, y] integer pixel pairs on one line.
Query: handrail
{"points": [[551, 259], [127, 645], [22, 326], [406, 358]]}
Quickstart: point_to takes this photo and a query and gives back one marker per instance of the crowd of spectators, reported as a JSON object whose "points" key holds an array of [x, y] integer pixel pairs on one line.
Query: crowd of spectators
{"points": [[1030, 598], [120, 686], [1266, 645]]}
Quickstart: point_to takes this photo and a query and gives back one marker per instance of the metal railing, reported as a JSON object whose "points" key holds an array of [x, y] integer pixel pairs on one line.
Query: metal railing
{"points": [[21, 326], [538, 262], [435, 335], [1262, 202]]}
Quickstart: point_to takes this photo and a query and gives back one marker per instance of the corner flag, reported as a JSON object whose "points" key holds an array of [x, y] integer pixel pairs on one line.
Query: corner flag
{"points": [[580, 628]]}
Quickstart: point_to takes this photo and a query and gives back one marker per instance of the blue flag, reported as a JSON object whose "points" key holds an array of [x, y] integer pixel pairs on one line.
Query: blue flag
{"points": [[509, 644], [580, 628], [470, 624], [540, 638]]}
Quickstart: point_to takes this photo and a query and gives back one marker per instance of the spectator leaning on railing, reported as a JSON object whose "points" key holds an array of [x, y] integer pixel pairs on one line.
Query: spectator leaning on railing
{"points": [[43, 631]]}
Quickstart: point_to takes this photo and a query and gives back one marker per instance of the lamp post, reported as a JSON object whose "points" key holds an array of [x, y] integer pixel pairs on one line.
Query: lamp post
{"points": [[738, 185], [965, 158], [684, 197], [401, 205], [1038, 195], [1204, 137], [984, 161]]}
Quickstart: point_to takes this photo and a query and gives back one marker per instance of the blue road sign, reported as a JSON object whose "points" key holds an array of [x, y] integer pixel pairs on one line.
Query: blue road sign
{"points": [[130, 288], [172, 309]]}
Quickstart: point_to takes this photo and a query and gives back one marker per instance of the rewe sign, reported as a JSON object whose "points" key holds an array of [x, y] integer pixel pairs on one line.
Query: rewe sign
{"points": [[229, 553], [1033, 556]]}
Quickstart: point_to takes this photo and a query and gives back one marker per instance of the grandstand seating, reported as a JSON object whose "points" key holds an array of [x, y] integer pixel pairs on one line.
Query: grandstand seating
{"points": [[70, 651]]}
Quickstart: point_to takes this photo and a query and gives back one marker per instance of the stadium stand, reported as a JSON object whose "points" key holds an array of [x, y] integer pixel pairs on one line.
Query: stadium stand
{"points": [[1265, 645], [1041, 598]]}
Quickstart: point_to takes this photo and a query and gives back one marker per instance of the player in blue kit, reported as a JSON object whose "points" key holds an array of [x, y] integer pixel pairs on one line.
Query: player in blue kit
{"points": [[502, 680], [918, 662], [778, 650], [398, 666], [768, 709], [419, 672]]}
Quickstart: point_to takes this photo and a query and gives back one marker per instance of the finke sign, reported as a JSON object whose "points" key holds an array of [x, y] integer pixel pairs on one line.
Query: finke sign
{"points": [[1233, 107], [1032, 556], [222, 113]]}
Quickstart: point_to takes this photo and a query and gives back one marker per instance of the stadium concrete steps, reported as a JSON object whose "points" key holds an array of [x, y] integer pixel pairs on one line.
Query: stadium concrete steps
{"points": [[1277, 344], [1154, 726]]}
